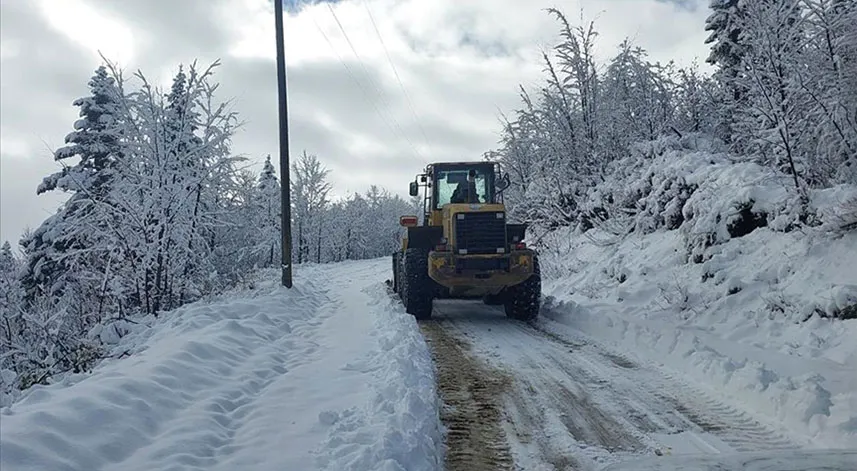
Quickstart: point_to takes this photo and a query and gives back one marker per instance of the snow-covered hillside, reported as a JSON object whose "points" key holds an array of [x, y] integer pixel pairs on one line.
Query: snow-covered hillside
{"points": [[328, 375], [715, 275]]}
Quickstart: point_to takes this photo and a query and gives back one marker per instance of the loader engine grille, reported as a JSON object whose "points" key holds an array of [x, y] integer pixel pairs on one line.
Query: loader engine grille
{"points": [[480, 233]]}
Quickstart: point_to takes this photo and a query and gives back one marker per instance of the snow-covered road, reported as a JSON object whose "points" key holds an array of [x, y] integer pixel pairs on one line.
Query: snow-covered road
{"points": [[568, 402], [334, 375]]}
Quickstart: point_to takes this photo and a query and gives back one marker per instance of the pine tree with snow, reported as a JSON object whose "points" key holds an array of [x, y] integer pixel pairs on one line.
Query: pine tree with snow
{"points": [[268, 215], [727, 52], [725, 36], [96, 141]]}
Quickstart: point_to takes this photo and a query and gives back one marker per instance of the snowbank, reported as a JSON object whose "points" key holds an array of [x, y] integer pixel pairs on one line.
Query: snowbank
{"points": [[328, 375], [727, 278]]}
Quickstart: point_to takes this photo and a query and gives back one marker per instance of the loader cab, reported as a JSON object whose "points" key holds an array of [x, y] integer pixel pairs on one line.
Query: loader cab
{"points": [[462, 183], [458, 182]]}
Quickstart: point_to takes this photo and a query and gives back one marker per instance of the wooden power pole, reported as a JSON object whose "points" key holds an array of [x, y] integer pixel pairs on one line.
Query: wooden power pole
{"points": [[285, 180]]}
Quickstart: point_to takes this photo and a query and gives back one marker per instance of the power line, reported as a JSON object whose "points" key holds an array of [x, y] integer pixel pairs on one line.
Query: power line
{"points": [[369, 78], [353, 76], [396, 73]]}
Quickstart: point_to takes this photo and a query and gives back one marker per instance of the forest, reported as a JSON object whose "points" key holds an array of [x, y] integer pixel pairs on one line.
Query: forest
{"points": [[161, 213]]}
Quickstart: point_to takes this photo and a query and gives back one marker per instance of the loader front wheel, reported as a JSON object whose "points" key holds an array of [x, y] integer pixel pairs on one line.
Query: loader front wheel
{"points": [[416, 285], [522, 302]]}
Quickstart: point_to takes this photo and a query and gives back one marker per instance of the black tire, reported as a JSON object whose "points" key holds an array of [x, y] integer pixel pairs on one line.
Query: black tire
{"points": [[417, 288], [395, 272], [522, 302], [400, 274]]}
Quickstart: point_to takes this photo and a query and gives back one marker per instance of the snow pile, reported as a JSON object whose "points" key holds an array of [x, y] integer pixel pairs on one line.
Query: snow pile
{"points": [[327, 375], [403, 410], [722, 273]]}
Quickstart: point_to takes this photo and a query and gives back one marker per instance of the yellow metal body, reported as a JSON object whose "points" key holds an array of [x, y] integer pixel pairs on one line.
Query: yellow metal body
{"points": [[470, 282], [442, 269], [455, 271], [446, 215]]}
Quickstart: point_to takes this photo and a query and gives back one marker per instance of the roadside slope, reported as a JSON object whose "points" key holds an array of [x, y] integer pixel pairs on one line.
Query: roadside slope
{"points": [[329, 375]]}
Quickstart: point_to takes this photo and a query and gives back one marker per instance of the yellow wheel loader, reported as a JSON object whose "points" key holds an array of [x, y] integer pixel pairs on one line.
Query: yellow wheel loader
{"points": [[464, 248]]}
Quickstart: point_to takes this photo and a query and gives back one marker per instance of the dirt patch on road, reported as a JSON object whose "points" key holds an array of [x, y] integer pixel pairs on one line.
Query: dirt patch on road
{"points": [[472, 394]]}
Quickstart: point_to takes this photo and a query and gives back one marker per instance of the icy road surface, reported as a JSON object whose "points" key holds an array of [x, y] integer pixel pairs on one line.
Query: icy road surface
{"points": [[546, 397]]}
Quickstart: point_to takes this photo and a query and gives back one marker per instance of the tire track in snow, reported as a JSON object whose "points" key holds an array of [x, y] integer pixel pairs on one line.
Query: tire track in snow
{"points": [[576, 405], [471, 393], [695, 407]]}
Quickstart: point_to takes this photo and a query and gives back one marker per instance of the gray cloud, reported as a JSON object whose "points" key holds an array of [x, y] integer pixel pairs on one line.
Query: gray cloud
{"points": [[37, 87], [461, 63], [168, 31], [691, 5]]}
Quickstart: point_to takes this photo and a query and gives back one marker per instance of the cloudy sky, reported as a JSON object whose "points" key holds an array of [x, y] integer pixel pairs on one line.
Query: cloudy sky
{"points": [[459, 63]]}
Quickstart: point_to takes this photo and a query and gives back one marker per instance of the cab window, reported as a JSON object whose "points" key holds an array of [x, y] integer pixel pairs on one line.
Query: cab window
{"points": [[450, 180]]}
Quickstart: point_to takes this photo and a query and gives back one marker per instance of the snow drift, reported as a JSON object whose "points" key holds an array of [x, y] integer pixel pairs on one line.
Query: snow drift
{"points": [[328, 375]]}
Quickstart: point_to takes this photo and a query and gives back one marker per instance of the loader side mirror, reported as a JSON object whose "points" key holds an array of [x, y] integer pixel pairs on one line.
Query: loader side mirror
{"points": [[408, 221], [414, 190], [504, 183]]}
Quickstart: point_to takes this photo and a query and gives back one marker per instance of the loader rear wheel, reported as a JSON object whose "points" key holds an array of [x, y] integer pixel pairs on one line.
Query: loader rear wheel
{"points": [[417, 288], [522, 302], [400, 272]]}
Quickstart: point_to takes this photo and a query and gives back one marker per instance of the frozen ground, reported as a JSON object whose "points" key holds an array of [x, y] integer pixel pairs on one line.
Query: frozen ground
{"points": [[334, 375], [330, 375], [745, 325], [822, 460], [567, 401]]}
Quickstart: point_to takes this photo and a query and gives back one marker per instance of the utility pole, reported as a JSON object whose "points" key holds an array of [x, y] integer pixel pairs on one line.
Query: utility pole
{"points": [[285, 179]]}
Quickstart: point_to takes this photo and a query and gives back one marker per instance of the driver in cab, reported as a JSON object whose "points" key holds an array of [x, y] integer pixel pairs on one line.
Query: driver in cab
{"points": [[466, 192]]}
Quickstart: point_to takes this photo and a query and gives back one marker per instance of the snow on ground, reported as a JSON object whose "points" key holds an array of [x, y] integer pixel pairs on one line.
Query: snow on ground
{"points": [[819, 460], [745, 323], [728, 277], [329, 375]]}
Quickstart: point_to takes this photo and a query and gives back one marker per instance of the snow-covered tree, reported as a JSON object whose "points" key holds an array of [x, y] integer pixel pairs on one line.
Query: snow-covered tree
{"points": [[268, 213], [310, 190], [61, 244], [727, 53], [11, 309], [638, 98], [184, 169], [828, 78], [696, 102], [773, 122]]}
